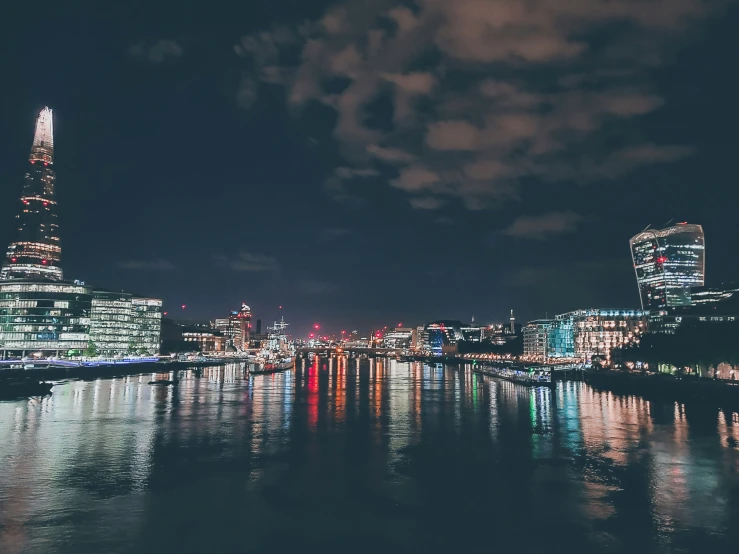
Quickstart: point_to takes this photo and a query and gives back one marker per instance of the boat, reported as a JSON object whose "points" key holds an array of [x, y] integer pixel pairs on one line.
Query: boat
{"points": [[278, 354], [274, 365], [532, 376]]}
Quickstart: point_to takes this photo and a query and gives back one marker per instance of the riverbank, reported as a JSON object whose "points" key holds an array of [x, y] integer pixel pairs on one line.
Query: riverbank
{"points": [[667, 387], [112, 370]]}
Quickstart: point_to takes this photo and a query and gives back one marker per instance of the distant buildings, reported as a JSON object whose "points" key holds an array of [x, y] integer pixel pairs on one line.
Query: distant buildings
{"points": [[399, 337], [42, 315], [236, 328], [668, 263]]}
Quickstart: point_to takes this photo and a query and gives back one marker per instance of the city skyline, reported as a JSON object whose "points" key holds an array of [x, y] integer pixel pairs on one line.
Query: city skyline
{"points": [[192, 172]]}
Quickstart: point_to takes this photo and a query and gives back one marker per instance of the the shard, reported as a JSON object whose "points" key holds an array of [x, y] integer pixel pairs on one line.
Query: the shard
{"points": [[36, 251]]}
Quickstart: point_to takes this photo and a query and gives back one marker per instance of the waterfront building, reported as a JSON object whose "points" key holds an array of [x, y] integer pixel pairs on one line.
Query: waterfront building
{"points": [[536, 337], [668, 263], [205, 341], [146, 321], [124, 324], [472, 333], [110, 323], [585, 334], [35, 252], [709, 305], [400, 337], [44, 318], [444, 336]]}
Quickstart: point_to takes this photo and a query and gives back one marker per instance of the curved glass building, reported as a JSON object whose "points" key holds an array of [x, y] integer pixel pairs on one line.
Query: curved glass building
{"points": [[668, 262], [36, 251]]}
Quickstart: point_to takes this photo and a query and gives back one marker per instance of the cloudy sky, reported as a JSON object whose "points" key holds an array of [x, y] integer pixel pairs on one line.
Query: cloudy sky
{"points": [[367, 163]]}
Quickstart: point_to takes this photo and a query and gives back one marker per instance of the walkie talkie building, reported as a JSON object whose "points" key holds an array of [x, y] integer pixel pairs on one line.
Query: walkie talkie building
{"points": [[668, 263]]}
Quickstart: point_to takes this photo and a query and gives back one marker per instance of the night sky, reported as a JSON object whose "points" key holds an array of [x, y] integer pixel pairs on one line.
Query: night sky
{"points": [[367, 163]]}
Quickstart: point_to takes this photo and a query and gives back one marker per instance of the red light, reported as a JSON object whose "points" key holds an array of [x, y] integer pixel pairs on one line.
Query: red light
{"points": [[46, 203], [184, 306], [46, 163], [165, 313], [280, 307], [316, 326], [378, 335], [661, 260], [400, 324], [32, 162], [43, 261], [13, 260], [310, 336]]}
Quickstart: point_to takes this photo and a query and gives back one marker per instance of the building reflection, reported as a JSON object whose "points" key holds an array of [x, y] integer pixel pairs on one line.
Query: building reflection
{"points": [[340, 429]]}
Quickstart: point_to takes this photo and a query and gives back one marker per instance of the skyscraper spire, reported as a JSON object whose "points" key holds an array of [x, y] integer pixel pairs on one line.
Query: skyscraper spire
{"points": [[43, 138], [36, 251]]}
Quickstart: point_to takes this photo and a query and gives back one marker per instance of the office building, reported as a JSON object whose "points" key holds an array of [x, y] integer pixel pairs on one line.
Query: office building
{"points": [[146, 320], [536, 337], [35, 253], [668, 263], [44, 318], [110, 322], [585, 334]]}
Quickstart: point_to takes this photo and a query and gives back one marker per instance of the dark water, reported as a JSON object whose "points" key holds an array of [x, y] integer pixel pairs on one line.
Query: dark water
{"points": [[378, 457]]}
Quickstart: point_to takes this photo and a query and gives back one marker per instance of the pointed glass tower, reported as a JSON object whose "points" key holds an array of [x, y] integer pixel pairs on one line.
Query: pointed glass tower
{"points": [[36, 251]]}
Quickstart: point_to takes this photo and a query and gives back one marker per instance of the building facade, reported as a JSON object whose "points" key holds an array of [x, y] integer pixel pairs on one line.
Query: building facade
{"points": [[204, 340], [111, 328], [536, 338], [668, 263], [44, 318], [585, 334], [146, 320], [35, 253]]}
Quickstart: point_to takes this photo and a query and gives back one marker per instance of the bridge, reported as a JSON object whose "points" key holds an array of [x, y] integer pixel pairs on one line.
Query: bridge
{"points": [[350, 350]]}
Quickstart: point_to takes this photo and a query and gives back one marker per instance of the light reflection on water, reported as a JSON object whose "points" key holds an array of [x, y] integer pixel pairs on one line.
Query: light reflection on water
{"points": [[372, 453]]}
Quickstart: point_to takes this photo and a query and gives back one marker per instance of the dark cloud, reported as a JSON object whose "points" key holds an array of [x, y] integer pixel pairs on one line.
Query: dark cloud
{"points": [[543, 227], [157, 52], [153, 265], [557, 92], [247, 262], [317, 288]]}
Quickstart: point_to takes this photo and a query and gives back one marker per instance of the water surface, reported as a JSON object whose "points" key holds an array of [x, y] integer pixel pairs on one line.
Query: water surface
{"points": [[349, 456]]}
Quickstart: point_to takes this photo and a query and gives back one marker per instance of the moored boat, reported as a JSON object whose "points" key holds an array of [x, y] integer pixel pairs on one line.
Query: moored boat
{"points": [[532, 376], [277, 354]]}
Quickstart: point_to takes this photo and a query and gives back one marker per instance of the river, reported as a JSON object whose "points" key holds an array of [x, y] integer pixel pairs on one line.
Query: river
{"points": [[362, 456]]}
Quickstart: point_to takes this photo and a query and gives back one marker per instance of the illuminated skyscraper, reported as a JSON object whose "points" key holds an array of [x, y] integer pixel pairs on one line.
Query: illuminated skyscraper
{"points": [[36, 251], [668, 262]]}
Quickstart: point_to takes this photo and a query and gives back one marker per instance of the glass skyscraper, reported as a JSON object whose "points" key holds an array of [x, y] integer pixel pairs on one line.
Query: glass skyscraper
{"points": [[36, 251], [668, 262], [40, 314]]}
